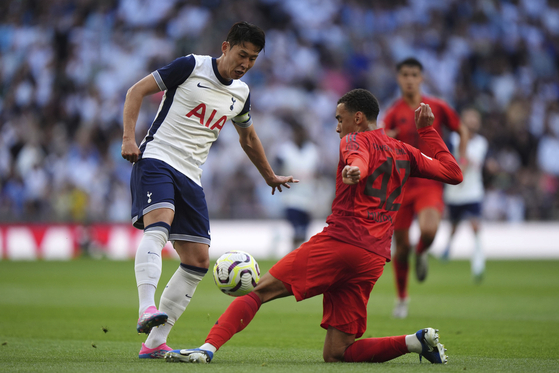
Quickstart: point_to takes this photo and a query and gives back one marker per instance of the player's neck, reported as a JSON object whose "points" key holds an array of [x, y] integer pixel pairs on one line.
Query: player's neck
{"points": [[221, 69], [370, 127], [413, 100]]}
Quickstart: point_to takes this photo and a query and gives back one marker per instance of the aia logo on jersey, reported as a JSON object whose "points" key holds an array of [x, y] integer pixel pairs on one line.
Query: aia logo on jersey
{"points": [[200, 113]]}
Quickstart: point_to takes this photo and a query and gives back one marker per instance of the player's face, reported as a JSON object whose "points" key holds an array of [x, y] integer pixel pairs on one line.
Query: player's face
{"points": [[238, 59], [347, 122], [472, 119], [409, 79]]}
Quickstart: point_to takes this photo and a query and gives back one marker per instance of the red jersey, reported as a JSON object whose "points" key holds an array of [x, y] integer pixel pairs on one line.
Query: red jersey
{"points": [[363, 214], [401, 117]]}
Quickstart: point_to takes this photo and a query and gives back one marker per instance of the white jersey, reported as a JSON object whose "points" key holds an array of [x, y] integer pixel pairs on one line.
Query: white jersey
{"points": [[302, 162], [196, 105], [470, 190]]}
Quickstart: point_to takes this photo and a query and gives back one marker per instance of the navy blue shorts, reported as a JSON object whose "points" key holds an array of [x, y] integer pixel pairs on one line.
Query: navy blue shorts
{"points": [[300, 221], [468, 210], [154, 184]]}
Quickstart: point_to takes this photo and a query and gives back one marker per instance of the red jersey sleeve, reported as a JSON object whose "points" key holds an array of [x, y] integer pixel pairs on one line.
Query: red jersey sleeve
{"points": [[452, 119], [354, 152], [443, 168], [388, 122]]}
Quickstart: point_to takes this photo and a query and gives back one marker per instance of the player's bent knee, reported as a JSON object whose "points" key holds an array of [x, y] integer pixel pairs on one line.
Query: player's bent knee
{"points": [[331, 359], [193, 253], [333, 356]]}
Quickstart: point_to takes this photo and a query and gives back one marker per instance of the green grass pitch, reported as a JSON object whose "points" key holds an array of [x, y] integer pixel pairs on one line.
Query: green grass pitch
{"points": [[80, 316]]}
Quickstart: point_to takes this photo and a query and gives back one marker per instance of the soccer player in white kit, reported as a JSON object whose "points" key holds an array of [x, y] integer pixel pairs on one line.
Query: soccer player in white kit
{"points": [[464, 201], [201, 94]]}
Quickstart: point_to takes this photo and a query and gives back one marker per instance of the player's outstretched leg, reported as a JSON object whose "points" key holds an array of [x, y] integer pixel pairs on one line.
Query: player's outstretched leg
{"points": [[235, 318], [195, 355], [425, 342], [431, 348]]}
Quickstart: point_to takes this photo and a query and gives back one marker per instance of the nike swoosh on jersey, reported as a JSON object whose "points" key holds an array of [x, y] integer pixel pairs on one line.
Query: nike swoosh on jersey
{"points": [[203, 86]]}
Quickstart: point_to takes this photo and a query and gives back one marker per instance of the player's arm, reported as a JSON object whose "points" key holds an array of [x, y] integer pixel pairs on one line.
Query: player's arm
{"points": [[452, 120], [444, 167], [356, 160], [250, 142], [133, 102], [463, 145]]}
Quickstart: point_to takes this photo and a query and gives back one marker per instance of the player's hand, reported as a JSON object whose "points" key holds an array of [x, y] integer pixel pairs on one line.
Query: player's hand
{"points": [[351, 175], [279, 181], [424, 116], [130, 150]]}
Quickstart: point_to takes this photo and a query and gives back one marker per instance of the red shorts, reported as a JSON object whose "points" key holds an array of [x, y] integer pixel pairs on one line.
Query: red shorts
{"points": [[417, 198], [344, 273]]}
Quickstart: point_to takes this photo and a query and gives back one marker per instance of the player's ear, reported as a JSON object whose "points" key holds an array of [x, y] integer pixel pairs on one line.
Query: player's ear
{"points": [[360, 118], [225, 47]]}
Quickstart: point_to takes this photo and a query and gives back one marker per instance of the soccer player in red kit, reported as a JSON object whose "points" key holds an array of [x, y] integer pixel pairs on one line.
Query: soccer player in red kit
{"points": [[345, 260], [424, 197]]}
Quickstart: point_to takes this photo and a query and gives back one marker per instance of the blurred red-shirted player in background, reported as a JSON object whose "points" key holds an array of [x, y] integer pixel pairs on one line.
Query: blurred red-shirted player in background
{"points": [[424, 197]]}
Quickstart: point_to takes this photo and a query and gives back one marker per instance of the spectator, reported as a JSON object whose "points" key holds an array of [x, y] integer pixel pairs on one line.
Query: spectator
{"points": [[69, 64]]}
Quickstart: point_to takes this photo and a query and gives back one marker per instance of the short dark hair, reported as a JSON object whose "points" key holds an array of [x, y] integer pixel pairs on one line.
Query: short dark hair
{"points": [[363, 101], [410, 61], [243, 31]]}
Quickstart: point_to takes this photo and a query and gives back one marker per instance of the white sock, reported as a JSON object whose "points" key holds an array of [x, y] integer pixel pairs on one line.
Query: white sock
{"points": [[175, 299], [158, 335], [478, 258], [208, 347], [146, 295], [148, 265], [413, 343]]}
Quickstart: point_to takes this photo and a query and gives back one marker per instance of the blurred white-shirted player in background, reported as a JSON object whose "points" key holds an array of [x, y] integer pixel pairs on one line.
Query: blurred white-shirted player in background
{"points": [[299, 156], [201, 94], [464, 200]]}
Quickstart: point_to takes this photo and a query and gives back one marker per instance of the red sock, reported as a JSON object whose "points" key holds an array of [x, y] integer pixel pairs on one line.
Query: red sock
{"points": [[401, 275], [376, 350], [235, 318], [421, 248]]}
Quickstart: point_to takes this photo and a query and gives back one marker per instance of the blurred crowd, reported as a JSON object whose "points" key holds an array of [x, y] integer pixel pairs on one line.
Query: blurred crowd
{"points": [[65, 67]]}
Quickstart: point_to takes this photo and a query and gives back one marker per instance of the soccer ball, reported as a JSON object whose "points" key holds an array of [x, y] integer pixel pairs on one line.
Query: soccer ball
{"points": [[236, 273]]}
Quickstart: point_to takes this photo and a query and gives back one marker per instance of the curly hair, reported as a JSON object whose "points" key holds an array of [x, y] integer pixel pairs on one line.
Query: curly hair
{"points": [[363, 101]]}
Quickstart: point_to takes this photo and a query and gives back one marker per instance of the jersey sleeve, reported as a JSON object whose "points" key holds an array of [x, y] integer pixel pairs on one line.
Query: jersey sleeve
{"points": [[476, 156], [452, 119], [354, 152], [244, 119], [175, 73], [388, 120], [443, 168]]}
